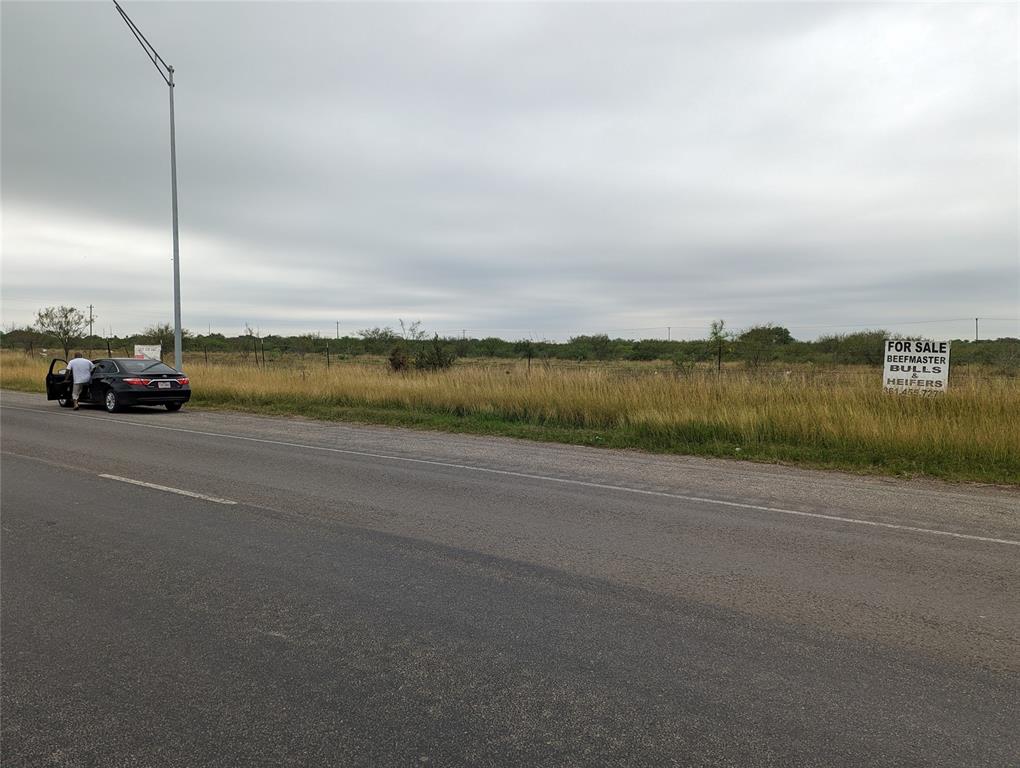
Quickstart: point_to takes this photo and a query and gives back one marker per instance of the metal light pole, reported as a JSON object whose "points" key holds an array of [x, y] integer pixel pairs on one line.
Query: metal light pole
{"points": [[178, 343], [167, 73]]}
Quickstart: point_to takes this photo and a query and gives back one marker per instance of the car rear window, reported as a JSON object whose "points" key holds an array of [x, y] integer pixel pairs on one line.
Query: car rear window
{"points": [[148, 366]]}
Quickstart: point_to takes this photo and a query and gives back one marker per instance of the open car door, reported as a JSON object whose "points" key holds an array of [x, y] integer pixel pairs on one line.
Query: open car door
{"points": [[58, 383]]}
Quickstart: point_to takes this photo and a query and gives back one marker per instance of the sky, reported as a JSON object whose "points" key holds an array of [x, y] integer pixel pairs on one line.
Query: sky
{"points": [[523, 170]]}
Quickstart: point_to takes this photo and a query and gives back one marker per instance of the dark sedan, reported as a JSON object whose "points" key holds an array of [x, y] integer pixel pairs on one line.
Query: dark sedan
{"points": [[121, 382]]}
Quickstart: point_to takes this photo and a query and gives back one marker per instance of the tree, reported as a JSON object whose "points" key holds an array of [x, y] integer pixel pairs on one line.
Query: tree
{"points": [[767, 335], [377, 340], [491, 346], [717, 337], [758, 343], [307, 342], [525, 348], [65, 324], [867, 347], [412, 331], [584, 347], [600, 345]]}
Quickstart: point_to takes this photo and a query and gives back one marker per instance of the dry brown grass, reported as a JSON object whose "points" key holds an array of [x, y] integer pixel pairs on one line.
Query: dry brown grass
{"points": [[831, 418]]}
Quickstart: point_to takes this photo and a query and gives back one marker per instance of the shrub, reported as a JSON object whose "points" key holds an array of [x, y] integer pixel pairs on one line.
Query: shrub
{"points": [[434, 356], [683, 365], [399, 360]]}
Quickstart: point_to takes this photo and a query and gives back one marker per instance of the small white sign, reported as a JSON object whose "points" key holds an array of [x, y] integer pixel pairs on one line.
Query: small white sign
{"points": [[916, 366], [152, 351]]}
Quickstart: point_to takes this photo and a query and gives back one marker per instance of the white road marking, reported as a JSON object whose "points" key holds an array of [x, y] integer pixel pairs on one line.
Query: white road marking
{"points": [[167, 488], [552, 479]]}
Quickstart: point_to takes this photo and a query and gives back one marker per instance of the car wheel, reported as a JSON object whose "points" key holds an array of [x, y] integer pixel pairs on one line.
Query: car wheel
{"points": [[173, 406], [64, 402], [111, 402]]}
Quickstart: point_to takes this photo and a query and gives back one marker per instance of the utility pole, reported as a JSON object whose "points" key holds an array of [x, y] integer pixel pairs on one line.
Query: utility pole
{"points": [[669, 332], [167, 73], [178, 342], [975, 329], [338, 330]]}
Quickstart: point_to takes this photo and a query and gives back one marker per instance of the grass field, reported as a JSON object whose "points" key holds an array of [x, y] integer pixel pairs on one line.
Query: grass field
{"points": [[823, 418]]}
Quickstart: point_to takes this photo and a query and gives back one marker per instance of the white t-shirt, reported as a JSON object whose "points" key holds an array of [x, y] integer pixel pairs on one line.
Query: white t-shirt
{"points": [[82, 370]]}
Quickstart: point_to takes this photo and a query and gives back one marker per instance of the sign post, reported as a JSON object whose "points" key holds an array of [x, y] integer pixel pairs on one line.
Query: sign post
{"points": [[916, 366]]}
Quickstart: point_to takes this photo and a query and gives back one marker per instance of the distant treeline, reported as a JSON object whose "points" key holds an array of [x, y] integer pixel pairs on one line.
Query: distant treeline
{"points": [[757, 346]]}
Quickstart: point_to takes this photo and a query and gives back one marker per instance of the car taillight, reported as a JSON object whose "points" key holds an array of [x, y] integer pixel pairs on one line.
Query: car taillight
{"points": [[138, 382], [184, 381]]}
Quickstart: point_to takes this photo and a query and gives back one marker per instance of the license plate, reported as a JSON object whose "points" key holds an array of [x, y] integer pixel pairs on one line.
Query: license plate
{"points": [[163, 384]]}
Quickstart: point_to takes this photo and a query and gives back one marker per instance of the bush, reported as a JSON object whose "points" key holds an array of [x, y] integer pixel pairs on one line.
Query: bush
{"points": [[683, 365], [375, 340], [399, 360], [861, 348], [434, 356]]}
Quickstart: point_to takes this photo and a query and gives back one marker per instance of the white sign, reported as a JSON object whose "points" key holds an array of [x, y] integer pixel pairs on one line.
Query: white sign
{"points": [[916, 366], [152, 351]]}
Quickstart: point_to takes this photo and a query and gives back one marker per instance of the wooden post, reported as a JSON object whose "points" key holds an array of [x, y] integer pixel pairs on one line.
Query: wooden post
{"points": [[327, 355]]}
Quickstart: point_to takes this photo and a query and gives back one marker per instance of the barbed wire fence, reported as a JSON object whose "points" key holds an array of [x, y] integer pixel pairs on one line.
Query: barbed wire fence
{"points": [[675, 335]]}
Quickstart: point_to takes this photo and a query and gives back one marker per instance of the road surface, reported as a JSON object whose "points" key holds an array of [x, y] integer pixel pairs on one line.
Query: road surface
{"points": [[215, 589]]}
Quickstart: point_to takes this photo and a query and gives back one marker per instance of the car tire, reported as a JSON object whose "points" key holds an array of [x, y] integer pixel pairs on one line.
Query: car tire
{"points": [[65, 402], [111, 401], [173, 406]]}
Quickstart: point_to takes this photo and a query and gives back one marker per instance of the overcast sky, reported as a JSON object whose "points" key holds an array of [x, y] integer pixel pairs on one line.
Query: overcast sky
{"points": [[516, 169]]}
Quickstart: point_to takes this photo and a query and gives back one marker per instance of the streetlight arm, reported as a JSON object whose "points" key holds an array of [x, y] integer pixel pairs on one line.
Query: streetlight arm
{"points": [[162, 67]]}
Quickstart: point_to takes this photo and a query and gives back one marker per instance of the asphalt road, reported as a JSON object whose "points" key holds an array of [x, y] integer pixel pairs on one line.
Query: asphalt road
{"points": [[383, 597]]}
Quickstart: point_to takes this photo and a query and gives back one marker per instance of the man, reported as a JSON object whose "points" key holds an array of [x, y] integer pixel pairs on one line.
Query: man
{"points": [[81, 370]]}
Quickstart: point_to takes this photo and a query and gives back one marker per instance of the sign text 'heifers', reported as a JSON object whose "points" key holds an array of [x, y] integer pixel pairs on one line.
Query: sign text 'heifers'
{"points": [[916, 366]]}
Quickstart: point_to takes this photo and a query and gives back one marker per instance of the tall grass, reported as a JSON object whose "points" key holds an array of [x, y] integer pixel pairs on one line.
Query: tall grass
{"points": [[824, 418]]}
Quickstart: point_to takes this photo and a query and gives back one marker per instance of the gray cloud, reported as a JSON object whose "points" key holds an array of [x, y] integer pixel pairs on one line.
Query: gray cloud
{"points": [[517, 167]]}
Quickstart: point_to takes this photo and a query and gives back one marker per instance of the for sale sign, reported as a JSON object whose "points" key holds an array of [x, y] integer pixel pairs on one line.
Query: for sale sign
{"points": [[916, 366], [153, 351]]}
